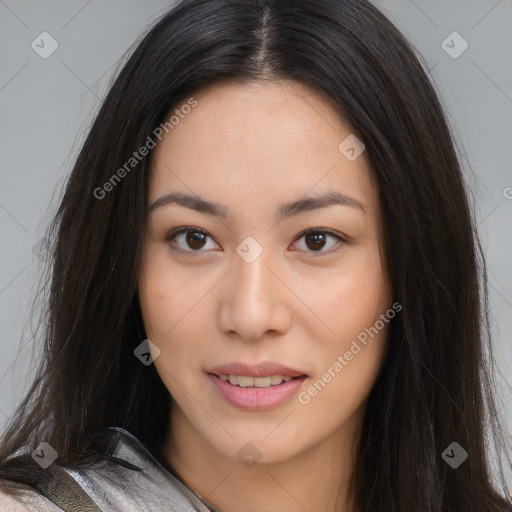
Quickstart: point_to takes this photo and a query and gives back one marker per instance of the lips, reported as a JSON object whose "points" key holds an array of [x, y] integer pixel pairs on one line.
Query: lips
{"points": [[257, 399], [263, 369]]}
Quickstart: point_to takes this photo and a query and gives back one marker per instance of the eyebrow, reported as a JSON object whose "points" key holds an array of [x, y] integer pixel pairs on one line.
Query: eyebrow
{"points": [[284, 210]]}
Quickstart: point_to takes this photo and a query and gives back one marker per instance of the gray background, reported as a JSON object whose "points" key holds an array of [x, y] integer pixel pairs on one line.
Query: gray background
{"points": [[47, 105]]}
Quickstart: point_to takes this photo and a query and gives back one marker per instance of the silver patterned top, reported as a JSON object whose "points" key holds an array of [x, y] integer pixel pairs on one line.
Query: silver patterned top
{"points": [[154, 488]]}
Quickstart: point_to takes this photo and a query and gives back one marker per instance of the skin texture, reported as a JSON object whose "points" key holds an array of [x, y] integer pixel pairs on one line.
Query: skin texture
{"points": [[251, 148]]}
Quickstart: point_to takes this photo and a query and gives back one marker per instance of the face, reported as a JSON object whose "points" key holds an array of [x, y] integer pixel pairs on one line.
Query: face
{"points": [[250, 277]]}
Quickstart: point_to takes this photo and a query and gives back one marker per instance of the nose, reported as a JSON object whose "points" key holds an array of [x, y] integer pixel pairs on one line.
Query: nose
{"points": [[254, 300]]}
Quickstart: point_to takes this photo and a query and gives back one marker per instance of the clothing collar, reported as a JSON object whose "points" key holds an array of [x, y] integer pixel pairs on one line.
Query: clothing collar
{"points": [[130, 449]]}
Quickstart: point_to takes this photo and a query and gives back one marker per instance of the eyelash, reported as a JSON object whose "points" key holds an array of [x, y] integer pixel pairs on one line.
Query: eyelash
{"points": [[185, 229]]}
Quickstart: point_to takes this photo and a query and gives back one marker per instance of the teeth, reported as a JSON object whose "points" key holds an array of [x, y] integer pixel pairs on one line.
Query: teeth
{"points": [[245, 382], [259, 382], [277, 379]]}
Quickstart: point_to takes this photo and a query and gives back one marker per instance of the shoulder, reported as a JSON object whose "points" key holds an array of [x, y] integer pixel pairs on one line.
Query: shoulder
{"points": [[128, 479], [31, 502], [136, 481], [107, 489]]}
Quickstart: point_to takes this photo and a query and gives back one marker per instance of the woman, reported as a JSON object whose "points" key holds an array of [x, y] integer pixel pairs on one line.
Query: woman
{"points": [[265, 287]]}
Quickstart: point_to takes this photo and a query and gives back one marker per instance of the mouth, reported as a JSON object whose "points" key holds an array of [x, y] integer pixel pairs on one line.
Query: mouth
{"points": [[256, 393], [247, 381]]}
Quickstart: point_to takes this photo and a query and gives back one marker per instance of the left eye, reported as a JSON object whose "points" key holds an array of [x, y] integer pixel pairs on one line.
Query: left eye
{"points": [[195, 238], [316, 239]]}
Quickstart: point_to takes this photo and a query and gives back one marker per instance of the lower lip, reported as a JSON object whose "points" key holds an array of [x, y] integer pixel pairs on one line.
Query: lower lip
{"points": [[256, 399]]}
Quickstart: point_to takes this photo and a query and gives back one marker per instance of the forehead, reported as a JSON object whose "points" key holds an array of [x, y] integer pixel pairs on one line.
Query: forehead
{"points": [[257, 143], [259, 117]]}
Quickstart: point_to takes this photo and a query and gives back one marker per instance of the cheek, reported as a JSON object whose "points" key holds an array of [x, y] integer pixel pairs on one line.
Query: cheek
{"points": [[348, 363], [162, 313], [351, 305], [163, 296], [165, 316], [350, 298], [156, 308], [171, 308]]}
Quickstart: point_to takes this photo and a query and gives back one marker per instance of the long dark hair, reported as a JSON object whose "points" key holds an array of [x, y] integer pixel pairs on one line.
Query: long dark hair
{"points": [[436, 384]]}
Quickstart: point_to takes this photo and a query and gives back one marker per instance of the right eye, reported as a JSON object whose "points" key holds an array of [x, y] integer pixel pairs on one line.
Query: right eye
{"points": [[194, 237]]}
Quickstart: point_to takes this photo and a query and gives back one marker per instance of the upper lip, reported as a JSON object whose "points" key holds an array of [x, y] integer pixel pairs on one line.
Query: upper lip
{"points": [[256, 370]]}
